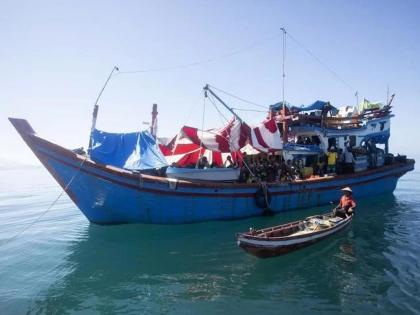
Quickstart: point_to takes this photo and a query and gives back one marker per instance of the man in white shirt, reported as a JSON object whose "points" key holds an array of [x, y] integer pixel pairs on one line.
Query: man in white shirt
{"points": [[348, 160]]}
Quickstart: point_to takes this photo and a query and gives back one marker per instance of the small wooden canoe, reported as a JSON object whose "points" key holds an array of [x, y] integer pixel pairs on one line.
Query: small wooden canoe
{"points": [[282, 239]]}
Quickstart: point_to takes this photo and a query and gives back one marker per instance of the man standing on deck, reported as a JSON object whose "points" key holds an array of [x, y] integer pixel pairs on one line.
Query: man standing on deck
{"points": [[331, 160], [348, 161], [347, 204], [229, 163]]}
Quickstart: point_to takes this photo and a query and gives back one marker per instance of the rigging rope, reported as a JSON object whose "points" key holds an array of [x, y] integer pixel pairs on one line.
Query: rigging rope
{"points": [[249, 110], [332, 72], [185, 123], [218, 110], [202, 132], [237, 97], [48, 209], [241, 50], [205, 61]]}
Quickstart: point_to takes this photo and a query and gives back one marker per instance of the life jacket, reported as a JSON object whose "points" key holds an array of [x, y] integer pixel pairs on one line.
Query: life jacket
{"points": [[347, 202]]}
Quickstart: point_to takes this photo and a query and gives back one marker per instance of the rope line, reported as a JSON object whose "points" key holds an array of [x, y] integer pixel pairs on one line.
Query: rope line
{"points": [[205, 61], [331, 71], [265, 189], [44, 212], [224, 120], [185, 123], [249, 110], [237, 97], [202, 132]]}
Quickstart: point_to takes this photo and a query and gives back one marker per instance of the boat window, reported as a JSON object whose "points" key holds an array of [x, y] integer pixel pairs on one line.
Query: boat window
{"points": [[382, 125]]}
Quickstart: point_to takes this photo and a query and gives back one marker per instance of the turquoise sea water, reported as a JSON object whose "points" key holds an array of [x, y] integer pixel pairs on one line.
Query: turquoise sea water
{"points": [[64, 265]]}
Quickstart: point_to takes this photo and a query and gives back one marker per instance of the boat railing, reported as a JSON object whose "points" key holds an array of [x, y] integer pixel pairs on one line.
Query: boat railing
{"points": [[335, 122]]}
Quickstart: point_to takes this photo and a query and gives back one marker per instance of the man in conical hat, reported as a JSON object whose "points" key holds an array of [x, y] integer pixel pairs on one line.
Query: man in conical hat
{"points": [[347, 204]]}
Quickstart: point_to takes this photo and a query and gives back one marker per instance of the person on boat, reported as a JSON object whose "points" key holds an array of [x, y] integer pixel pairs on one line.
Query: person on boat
{"points": [[244, 174], [340, 161], [372, 153], [252, 170], [203, 163], [276, 169], [346, 205], [321, 165], [298, 167], [299, 140], [291, 172], [262, 169], [348, 161], [282, 170], [331, 160], [229, 163]]}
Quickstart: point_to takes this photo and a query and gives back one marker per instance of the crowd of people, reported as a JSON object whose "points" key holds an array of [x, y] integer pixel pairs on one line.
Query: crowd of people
{"points": [[274, 168], [268, 168]]}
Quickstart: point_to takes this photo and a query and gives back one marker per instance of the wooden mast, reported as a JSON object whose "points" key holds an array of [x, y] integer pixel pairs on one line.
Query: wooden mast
{"points": [[153, 125], [285, 125], [96, 108]]}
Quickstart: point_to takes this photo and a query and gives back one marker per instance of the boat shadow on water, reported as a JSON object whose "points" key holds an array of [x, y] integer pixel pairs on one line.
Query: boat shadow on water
{"points": [[151, 267]]}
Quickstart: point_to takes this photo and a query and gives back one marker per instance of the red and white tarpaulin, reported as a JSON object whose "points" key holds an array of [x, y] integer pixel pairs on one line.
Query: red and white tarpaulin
{"points": [[264, 137], [217, 144], [230, 138], [186, 153]]}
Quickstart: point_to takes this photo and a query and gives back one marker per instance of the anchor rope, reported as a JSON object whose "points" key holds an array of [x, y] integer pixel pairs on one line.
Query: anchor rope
{"points": [[265, 189], [7, 241]]}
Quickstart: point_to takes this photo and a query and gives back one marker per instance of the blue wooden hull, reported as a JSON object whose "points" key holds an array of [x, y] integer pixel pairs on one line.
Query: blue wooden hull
{"points": [[108, 195]]}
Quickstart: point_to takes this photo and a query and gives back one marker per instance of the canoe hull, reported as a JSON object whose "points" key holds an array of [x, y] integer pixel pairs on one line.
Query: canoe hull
{"points": [[272, 248], [108, 195]]}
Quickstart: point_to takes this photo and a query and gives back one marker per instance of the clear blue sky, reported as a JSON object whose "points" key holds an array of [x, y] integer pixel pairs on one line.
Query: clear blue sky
{"points": [[55, 56]]}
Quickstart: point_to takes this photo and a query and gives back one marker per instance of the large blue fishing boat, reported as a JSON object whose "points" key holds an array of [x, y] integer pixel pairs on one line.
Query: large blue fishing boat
{"points": [[291, 161], [109, 189]]}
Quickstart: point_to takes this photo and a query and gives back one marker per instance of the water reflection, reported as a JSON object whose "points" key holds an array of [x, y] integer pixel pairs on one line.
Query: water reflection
{"points": [[165, 268]]}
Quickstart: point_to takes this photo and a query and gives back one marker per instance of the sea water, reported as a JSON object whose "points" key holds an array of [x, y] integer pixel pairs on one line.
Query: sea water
{"points": [[62, 264]]}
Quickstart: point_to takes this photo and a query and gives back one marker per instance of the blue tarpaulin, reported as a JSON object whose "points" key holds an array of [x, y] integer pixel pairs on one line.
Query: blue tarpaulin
{"points": [[134, 151], [317, 105]]}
